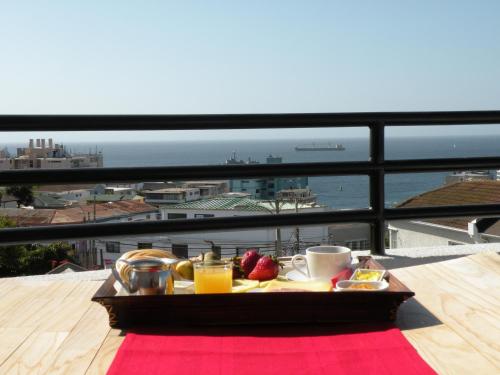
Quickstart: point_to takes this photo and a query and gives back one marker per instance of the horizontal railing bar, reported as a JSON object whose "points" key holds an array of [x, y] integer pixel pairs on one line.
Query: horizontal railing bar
{"points": [[441, 211], [212, 172], [239, 121], [441, 165], [89, 231], [101, 230], [200, 172]]}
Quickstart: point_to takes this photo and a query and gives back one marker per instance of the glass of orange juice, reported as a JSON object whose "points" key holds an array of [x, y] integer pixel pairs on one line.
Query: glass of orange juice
{"points": [[213, 277]]}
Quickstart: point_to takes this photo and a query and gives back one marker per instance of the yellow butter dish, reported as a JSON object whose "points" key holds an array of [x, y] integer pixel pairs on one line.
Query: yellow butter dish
{"points": [[363, 274]]}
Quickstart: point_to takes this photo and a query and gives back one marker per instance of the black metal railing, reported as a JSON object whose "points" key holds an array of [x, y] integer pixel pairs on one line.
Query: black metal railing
{"points": [[376, 168]]}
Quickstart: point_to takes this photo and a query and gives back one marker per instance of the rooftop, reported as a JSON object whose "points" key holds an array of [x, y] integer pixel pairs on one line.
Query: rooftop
{"points": [[239, 203], [64, 188], [459, 193], [78, 214], [111, 197], [171, 190], [24, 217]]}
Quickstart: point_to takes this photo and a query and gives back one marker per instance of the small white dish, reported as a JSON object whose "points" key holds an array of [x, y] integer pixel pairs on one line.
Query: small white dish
{"points": [[345, 286]]}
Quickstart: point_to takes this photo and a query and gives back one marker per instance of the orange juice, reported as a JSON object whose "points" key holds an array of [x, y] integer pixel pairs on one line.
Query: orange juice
{"points": [[213, 277]]}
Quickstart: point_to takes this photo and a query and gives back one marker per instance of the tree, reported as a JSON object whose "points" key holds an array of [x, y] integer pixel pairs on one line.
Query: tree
{"points": [[32, 259], [23, 194], [11, 257], [39, 258]]}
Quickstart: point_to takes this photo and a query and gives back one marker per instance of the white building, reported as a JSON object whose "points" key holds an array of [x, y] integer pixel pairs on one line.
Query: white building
{"points": [[120, 190], [209, 189], [70, 193], [172, 195]]}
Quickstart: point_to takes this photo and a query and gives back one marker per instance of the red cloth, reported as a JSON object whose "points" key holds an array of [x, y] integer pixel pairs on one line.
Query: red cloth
{"points": [[364, 350]]}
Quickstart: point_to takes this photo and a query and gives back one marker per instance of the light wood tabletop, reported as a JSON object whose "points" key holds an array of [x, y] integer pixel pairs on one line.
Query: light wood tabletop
{"points": [[52, 327]]}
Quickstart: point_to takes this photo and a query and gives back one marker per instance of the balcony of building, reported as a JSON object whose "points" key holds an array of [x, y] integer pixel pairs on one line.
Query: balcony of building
{"points": [[49, 325]]}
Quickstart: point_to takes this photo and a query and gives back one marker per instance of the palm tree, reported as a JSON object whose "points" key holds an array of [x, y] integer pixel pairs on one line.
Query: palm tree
{"points": [[23, 194]]}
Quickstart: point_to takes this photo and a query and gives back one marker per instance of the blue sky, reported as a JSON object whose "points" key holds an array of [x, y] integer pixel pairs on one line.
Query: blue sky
{"points": [[131, 57]]}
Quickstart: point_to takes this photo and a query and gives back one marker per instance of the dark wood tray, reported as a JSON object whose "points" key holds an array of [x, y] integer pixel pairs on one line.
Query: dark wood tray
{"points": [[254, 308]]}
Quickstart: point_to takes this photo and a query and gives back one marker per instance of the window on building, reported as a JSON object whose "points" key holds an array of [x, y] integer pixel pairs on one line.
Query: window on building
{"points": [[180, 250], [112, 247], [358, 244], [145, 245], [198, 216], [173, 216], [393, 234], [148, 217], [158, 216]]}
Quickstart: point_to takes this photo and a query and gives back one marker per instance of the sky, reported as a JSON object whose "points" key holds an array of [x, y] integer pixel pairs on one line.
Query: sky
{"points": [[195, 57]]}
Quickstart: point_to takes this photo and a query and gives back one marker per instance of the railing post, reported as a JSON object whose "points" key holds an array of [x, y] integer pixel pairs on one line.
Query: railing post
{"points": [[377, 186]]}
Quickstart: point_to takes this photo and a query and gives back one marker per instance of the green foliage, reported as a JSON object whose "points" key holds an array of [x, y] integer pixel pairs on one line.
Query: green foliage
{"points": [[31, 259], [5, 222], [12, 261], [38, 259], [23, 194]]}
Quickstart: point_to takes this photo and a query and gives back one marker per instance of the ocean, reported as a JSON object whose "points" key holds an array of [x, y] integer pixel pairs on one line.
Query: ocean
{"points": [[337, 192]]}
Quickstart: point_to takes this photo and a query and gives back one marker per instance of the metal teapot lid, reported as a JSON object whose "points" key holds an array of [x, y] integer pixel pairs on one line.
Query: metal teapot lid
{"points": [[151, 264]]}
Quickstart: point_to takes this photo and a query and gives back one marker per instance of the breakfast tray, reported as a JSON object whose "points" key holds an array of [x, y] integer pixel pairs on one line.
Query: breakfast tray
{"points": [[254, 308]]}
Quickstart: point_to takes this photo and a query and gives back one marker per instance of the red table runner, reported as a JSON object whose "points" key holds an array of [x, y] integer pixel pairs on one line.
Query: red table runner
{"points": [[350, 349]]}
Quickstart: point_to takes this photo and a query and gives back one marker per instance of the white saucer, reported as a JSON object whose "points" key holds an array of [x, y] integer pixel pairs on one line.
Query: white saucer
{"points": [[295, 275]]}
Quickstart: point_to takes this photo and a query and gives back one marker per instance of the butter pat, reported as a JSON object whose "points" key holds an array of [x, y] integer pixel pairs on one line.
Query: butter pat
{"points": [[297, 286]]}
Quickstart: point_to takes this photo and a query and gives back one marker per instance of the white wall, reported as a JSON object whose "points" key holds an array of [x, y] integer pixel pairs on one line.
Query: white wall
{"points": [[414, 234], [55, 163]]}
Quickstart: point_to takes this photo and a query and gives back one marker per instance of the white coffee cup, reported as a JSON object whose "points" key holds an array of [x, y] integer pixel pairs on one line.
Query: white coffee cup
{"points": [[323, 262]]}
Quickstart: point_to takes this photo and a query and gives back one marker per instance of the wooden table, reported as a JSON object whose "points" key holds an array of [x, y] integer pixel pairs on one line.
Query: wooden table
{"points": [[51, 327]]}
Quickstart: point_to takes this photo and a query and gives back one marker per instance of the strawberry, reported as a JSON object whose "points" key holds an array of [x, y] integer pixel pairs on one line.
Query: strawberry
{"points": [[249, 261], [267, 268], [345, 274]]}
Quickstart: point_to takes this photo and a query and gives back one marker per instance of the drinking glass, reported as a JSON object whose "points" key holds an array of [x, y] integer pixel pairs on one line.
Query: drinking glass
{"points": [[213, 277]]}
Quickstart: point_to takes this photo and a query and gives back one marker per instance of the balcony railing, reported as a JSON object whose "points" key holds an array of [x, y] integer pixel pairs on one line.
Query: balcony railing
{"points": [[376, 168]]}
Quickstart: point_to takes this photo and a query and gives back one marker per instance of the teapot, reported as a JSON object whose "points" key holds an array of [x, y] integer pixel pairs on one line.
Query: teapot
{"points": [[147, 276]]}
